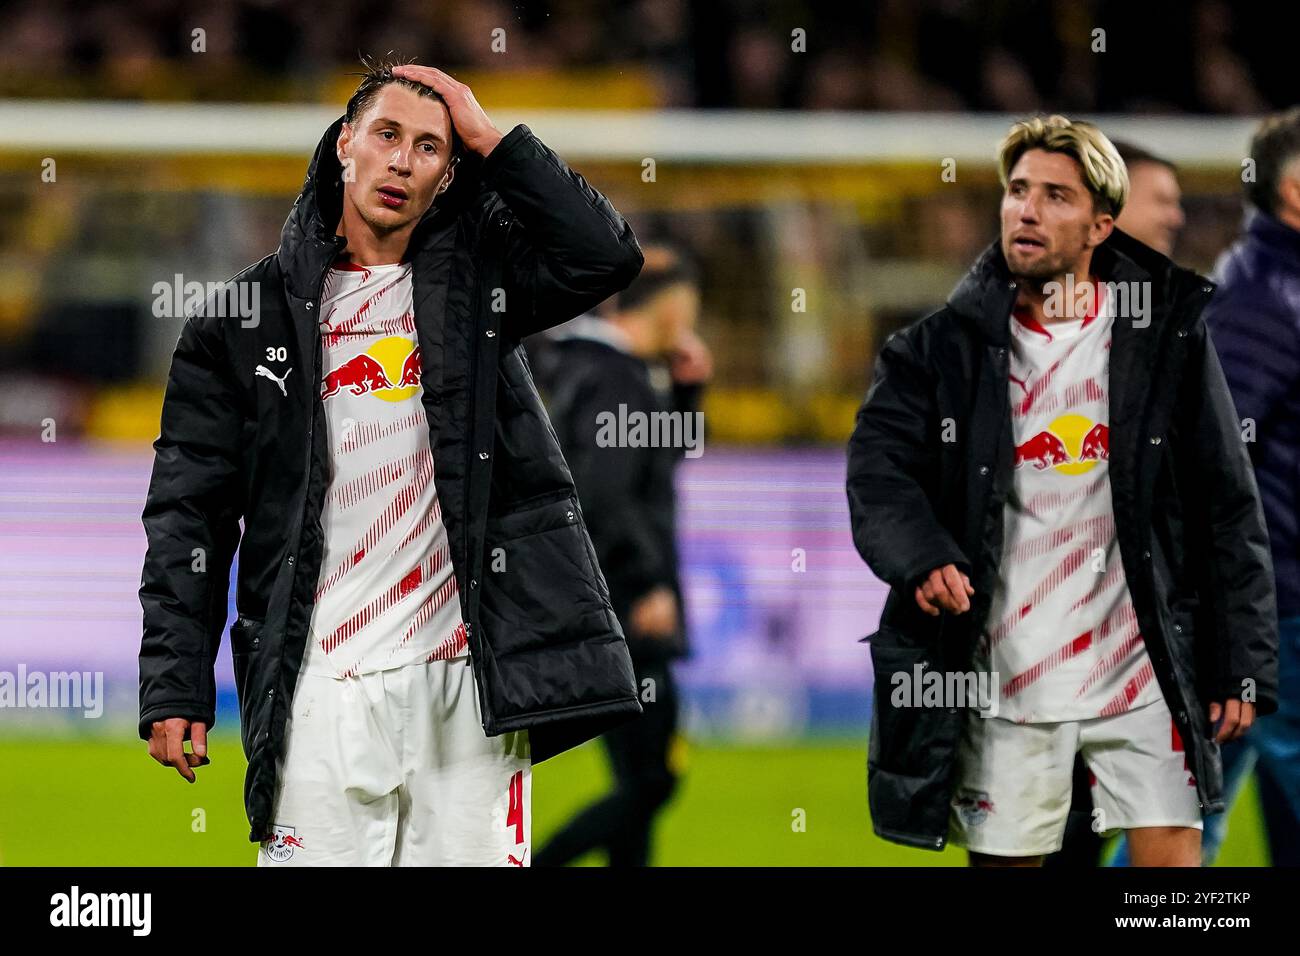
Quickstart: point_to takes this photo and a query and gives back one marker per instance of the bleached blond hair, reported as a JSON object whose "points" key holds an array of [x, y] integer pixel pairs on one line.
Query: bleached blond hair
{"points": [[1103, 170]]}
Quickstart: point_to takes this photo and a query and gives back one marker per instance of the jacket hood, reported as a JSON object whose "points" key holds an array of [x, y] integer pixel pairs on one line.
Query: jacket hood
{"points": [[987, 292], [308, 241]]}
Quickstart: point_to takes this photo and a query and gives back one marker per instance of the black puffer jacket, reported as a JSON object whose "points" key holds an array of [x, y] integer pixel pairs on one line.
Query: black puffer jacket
{"points": [[1187, 515], [519, 242]]}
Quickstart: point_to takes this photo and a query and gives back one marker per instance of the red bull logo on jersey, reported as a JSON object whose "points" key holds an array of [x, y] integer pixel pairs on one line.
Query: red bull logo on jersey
{"points": [[390, 369], [280, 845], [1071, 444]]}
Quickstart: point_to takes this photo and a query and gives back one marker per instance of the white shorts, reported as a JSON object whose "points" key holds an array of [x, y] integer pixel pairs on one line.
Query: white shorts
{"points": [[393, 769], [1014, 781]]}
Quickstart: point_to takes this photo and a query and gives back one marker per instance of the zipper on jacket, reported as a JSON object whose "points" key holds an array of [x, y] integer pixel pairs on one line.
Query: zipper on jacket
{"points": [[469, 444], [469, 464]]}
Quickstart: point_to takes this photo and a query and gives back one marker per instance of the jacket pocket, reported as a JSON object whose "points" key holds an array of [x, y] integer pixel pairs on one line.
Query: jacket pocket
{"points": [[540, 585], [904, 732]]}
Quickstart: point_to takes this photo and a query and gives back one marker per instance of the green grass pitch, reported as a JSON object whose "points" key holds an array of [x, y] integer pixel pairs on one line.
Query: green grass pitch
{"points": [[97, 802]]}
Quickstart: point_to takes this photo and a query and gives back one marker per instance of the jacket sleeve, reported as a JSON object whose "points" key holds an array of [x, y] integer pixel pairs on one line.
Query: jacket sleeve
{"points": [[566, 247], [191, 521], [1239, 567], [893, 464]]}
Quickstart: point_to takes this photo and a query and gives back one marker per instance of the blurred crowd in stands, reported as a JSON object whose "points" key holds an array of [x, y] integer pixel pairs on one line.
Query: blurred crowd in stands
{"points": [[1208, 56]]}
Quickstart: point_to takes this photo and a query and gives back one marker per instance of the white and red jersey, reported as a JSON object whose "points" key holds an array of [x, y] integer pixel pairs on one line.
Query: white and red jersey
{"points": [[1062, 634], [387, 595]]}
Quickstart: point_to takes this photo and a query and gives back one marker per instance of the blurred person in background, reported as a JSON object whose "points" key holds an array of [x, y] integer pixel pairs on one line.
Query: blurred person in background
{"points": [[417, 602], [1255, 321], [646, 358], [1154, 211], [1153, 214], [1057, 495]]}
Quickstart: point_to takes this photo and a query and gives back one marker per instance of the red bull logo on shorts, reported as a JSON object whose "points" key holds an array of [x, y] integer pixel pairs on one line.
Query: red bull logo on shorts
{"points": [[280, 845], [973, 806], [389, 369], [1072, 444]]}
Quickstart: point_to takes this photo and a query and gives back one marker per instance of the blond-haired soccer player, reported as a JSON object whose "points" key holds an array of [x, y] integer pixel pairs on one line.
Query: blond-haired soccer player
{"points": [[1048, 473]]}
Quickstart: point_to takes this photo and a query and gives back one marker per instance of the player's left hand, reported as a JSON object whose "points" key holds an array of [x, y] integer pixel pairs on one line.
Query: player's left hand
{"points": [[1237, 716], [476, 131]]}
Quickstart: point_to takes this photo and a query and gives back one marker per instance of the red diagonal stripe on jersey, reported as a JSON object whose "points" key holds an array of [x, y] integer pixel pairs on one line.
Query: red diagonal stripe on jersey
{"points": [[1121, 618], [1026, 677], [1124, 699], [409, 583], [364, 433], [1055, 578], [1131, 646], [1035, 391], [450, 647], [431, 605], [1096, 531], [351, 325], [388, 325], [433, 602], [348, 493], [1105, 582], [431, 517], [384, 523], [1089, 390]]}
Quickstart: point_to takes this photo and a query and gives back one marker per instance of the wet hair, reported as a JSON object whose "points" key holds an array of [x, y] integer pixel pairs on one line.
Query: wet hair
{"points": [[1103, 170], [376, 73]]}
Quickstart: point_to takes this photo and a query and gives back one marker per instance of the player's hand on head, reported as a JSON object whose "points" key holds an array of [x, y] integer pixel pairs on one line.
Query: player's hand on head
{"points": [[945, 589], [475, 129], [1237, 717], [167, 745]]}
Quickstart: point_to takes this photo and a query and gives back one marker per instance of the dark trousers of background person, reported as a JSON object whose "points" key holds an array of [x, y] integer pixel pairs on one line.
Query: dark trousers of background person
{"points": [[621, 822]]}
